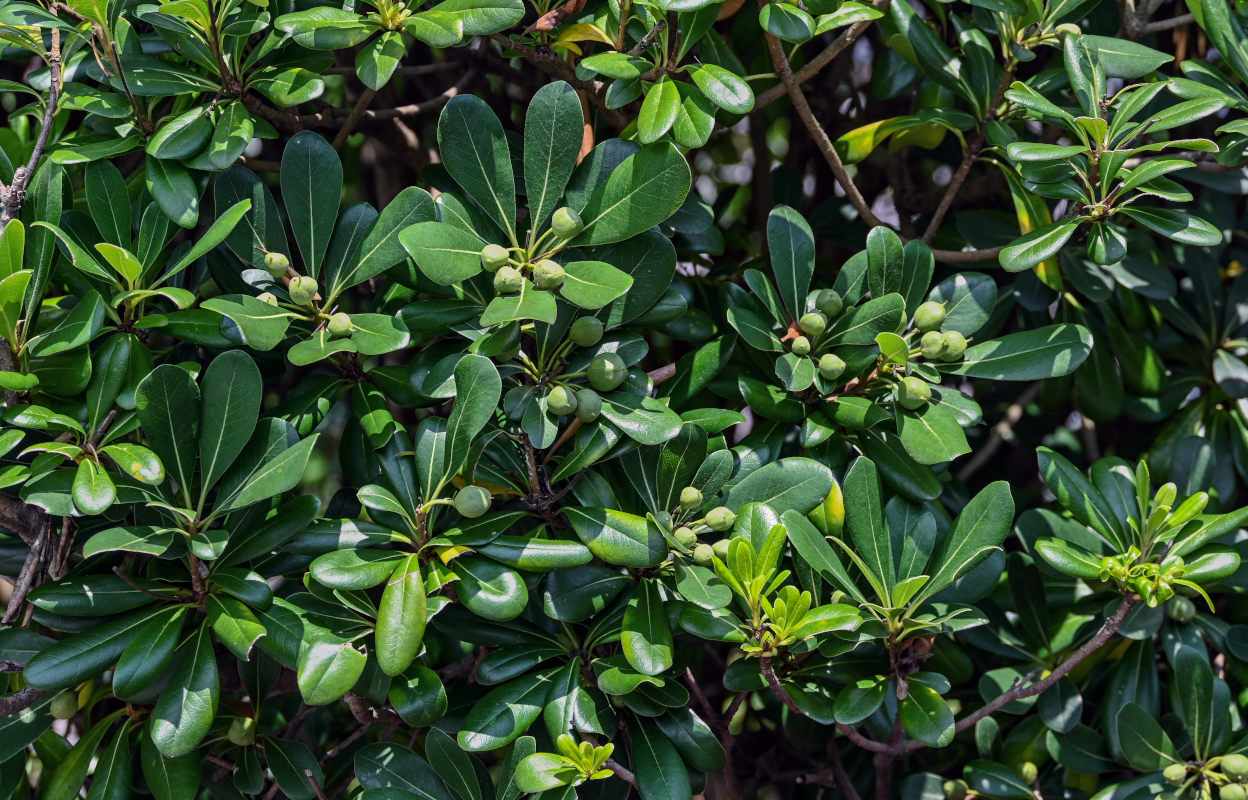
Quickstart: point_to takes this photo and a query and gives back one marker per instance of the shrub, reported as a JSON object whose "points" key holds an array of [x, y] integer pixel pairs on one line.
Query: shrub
{"points": [[475, 400]]}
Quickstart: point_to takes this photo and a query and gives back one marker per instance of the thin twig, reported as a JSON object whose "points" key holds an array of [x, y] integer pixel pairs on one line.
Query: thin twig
{"points": [[357, 113], [777, 688], [623, 773], [11, 197]]}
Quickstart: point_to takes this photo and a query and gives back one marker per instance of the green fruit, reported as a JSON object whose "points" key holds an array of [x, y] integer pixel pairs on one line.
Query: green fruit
{"points": [[566, 223], [473, 501], [685, 537], [831, 366], [913, 393], [829, 303], [267, 297], [276, 264], [561, 400], [548, 274], [1233, 791], [955, 346], [1067, 29], [242, 731], [932, 344], [720, 518], [588, 405], [955, 790], [494, 256], [64, 705], [340, 324], [1029, 771], [302, 290], [1175, 774], [586, 331], [813, 324], [929, 316], [1181, 609], [606, 372], [702, 554], [720, 549], [8, 101], [1235, 766], [801, 346], [690, 499], [508, 280]]}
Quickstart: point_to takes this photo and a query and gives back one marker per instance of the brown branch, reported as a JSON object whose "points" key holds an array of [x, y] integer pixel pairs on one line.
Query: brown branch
{"points": [[316, 787], [777, 688], [556, 67], [353, 119], [622, 773], [19, 701], [11, 197], [816, 64], [838, 772]]}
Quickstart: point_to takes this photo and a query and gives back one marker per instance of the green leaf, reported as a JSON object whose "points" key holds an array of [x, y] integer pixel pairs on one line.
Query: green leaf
{"points": [[381, 765], [401, 617], [862, 324], [478, 389], [327, 669], [168, 406], [864, 520], [506, 712], [931, 435], [553, 130], [658, 110], [1040, 245], [231, 403], [279, 474], [93, 490], [644, 419], [979, 529], [530, 303], [474, 150], [723, 87], [1046, 352], [294, 768], [187, 707], [446, 253], [174, 190], [382, 245], [647, 638], [791, 245], [169, 778], [66, 781], [787, 22], [661, 775], [796, 484], [643, 191], [311, 189], [1144, 744], [1178, 225], [86, 654], [260, 325], [593, 284], [1077, 494], [1123, 58], [926, 716], [617, 537]]}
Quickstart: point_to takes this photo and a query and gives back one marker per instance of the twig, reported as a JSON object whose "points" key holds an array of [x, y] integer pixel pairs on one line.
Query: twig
{"points": [[11, 197], [19, 701], [829, 54], [316, 787], [556, 67], [648, 39], [777, 688], [623, 773], [361, 106], [838, 772]]}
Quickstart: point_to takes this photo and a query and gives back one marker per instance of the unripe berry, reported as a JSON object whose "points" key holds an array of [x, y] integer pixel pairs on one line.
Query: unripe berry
{"points": [[1181, 609], [340, 324], [1233, 791], [588, 405], [561, 400], [267, 297], [929, 316], [586, 331], [8, 101], [720, 549], [690, 498], [508, 280], [913, 393], [276, 264], [1175, 774], [801, 346], [473, 501], [64, 705], [1067, 29], [831, 366], [829, 303], [303, 290], [955, 346], [1235, 767], [548, 274], [606, 372], [702, 554], [813, 324], [566, 223], [720, 518], [493, 256], [932, 344], [1029, 771], [685, 537]]}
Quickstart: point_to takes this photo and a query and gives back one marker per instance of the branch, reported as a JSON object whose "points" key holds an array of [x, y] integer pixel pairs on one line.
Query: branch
{"points": [[11, 197], [19, 701], [816, 64], [556, 67], [1002, 429], [777, 688], [622, 773]]}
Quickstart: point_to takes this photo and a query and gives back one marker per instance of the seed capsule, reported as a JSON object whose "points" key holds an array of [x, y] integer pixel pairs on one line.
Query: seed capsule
{"points": [[340, 324], [831, 366], [493, 256], [801, 346], [276, 264], [508, 280], [586, 331], [720, 519], [588, 405], [606, 372], [690, 499], [813, 324], [932, 345], [473, 501], [561, 401], [829, 303], [548, 274], [913, 393], [955, 346], [303, 290], [566, 223], [929, 316]]}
